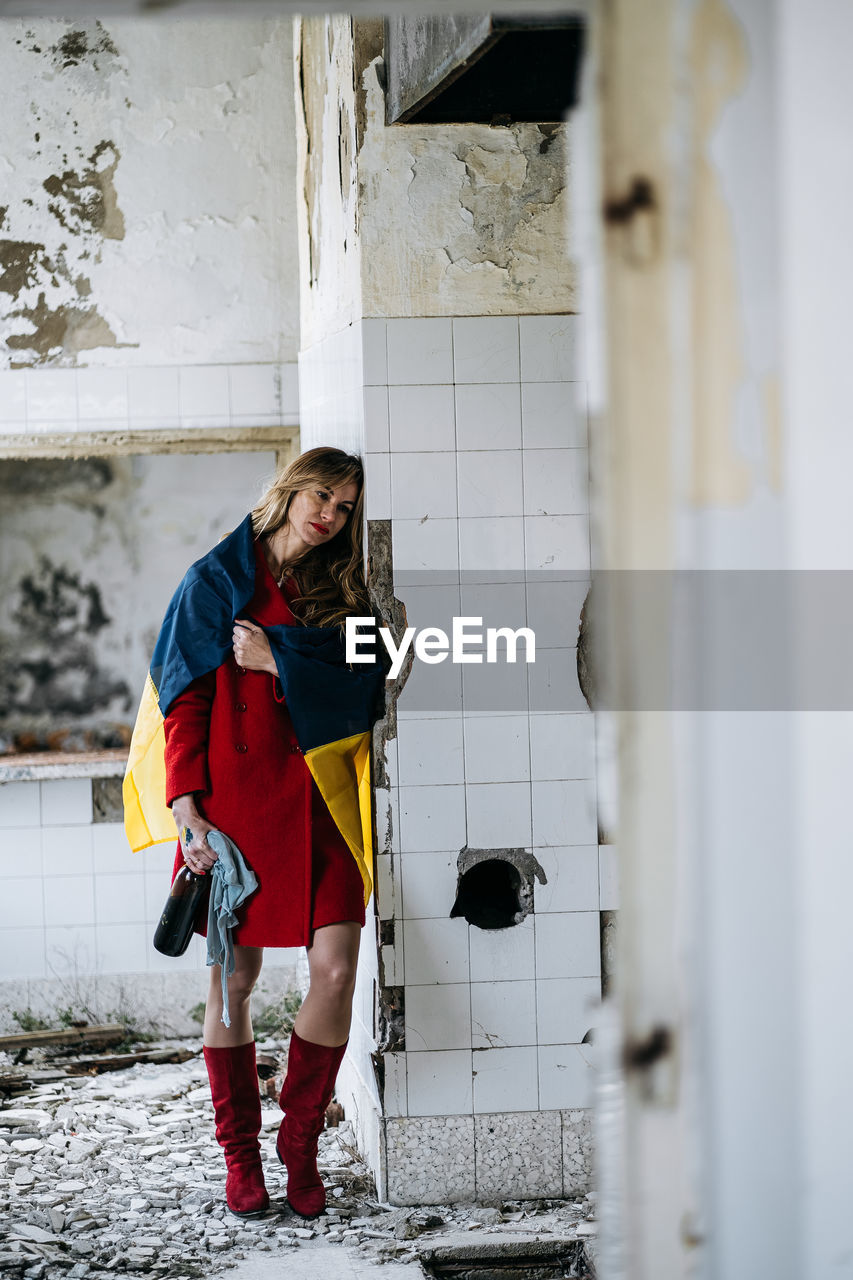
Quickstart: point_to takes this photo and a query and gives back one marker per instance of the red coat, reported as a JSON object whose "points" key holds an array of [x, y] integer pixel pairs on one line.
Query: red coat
{"points": [[230, 737]]}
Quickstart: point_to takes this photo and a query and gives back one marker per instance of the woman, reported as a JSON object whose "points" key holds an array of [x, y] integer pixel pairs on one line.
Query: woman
{"points": [[233, 763]]}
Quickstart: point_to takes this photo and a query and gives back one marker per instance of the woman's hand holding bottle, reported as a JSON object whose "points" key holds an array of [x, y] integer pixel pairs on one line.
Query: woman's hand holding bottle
{"points": [[192, 831]]}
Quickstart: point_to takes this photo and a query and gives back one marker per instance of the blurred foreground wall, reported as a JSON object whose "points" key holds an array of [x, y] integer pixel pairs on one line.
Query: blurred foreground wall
{"points": [[719, 260]]}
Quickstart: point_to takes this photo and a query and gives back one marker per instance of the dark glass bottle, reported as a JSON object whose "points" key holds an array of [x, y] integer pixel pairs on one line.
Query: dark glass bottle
{"points": [[173, 933]]}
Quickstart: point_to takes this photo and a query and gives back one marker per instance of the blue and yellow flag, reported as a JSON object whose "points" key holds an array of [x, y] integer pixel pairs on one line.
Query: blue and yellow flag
{"points": [[331, 705]]}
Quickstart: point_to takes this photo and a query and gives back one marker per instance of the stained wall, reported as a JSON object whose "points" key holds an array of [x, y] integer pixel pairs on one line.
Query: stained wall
{"points": [[419, 220], [147, 193], [148, 299], [91, 550]]}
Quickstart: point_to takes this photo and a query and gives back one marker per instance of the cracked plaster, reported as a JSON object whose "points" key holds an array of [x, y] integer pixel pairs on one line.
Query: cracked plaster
{"points": [[418, 220], [328, 212], [471, 222], [147, 174]]}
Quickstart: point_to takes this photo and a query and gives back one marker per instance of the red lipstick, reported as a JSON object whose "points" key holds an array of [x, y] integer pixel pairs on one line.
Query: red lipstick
{"points": [[321, 528]]}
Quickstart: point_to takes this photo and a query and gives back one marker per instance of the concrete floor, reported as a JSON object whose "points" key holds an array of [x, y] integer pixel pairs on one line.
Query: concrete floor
{"points": [[320, 1261]]}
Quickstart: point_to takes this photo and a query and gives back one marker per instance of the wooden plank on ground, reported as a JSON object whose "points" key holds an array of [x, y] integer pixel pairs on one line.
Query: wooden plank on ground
{"points": [[106, 1033], [118, 1061]]}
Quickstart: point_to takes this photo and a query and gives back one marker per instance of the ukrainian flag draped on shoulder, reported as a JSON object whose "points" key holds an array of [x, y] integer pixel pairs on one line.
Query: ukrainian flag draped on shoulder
{"points": [[331, 705]]}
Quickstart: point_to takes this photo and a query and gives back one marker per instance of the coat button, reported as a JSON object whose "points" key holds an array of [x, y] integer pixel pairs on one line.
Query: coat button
{"points": [[294, 750], [241, 671], [240, 746], [239, 706]]}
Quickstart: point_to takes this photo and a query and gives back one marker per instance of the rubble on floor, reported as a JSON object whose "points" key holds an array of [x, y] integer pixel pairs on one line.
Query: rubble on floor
{"points": [[120, 1175]]}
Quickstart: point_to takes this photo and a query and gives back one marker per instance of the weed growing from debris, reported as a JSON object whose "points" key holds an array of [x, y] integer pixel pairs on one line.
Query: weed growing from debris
{"points": [[134, 1033], [28, 1021], [275, 1020]]}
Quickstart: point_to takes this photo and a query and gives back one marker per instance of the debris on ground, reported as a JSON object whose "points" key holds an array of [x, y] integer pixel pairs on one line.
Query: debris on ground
{"points": [[55, 1057], [120, 1175], [108, 1033]]}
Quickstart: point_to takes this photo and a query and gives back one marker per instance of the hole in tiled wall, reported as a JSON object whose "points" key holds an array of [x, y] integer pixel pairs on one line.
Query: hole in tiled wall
{"points": [[107, 800], [489, 895], [495, 886]]}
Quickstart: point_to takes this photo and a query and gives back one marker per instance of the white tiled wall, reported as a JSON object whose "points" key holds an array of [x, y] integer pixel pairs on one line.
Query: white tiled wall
{"points": [[91, 904], [74, 900], [331, 381], [166, 397], [474, 435], [475, 438], [475, 429]]}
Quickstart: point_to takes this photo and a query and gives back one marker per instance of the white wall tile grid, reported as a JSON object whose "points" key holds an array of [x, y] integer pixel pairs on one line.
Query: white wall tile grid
{"points": [[475, 436], [165, 397], [331, 383], [74, 898], [534, 987], [472, 385], [494, 1076]]}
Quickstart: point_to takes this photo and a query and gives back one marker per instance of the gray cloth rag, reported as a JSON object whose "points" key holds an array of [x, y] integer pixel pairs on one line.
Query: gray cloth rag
{"points": [[232, 881]]}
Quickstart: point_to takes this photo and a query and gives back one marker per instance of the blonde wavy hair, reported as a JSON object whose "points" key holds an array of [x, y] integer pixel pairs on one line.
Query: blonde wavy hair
{"points": [[330, 578]]}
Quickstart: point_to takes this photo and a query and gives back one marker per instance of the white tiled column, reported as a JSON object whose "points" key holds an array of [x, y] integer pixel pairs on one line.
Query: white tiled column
{"points": [[475, 444], [473, 432]]}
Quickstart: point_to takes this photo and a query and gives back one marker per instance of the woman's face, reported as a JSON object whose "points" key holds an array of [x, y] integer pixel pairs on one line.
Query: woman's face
{"points": [[318, 513]]}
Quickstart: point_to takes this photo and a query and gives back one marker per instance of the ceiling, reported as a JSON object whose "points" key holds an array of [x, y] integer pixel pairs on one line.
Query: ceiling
{"points": [[221, 8]]}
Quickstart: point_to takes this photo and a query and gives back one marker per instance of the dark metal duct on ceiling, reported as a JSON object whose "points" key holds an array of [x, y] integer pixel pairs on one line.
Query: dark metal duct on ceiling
{"points": [[484, 69]]}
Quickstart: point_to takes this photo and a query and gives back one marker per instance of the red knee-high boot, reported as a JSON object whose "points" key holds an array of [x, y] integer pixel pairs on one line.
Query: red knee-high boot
{"points": [[307, 1091], [237, 1107]]}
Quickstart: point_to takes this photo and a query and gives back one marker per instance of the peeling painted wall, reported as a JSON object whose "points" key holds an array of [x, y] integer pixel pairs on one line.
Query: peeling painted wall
{"points": [[90, 552], [465, 219], [426, 220], [330, 247], [147, 171]]}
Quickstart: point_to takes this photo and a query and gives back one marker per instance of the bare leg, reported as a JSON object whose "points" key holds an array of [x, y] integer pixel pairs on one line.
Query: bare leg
{"points": [[326, 1011], [247, 968]]}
